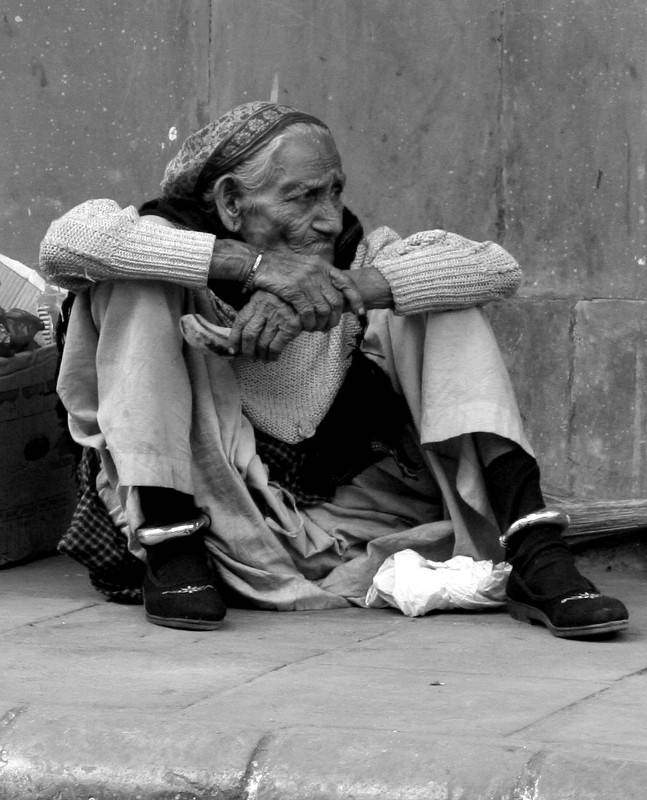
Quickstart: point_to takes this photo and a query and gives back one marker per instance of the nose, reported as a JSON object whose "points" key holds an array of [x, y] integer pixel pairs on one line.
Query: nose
{"points": [[328, 220]]}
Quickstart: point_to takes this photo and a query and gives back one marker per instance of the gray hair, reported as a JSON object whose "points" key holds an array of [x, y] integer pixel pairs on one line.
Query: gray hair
{"points": [[258, 170]]}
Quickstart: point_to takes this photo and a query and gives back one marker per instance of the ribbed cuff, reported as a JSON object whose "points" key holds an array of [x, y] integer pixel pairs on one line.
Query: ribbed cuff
{"points": [[444, 275], [155, 252]]}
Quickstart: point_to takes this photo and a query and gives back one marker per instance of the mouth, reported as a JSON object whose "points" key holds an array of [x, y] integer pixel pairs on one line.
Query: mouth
{"points": [[324, 248]]}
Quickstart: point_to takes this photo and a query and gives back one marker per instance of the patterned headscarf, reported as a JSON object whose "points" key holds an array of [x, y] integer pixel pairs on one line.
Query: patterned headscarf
{"points": [[225, 143]]}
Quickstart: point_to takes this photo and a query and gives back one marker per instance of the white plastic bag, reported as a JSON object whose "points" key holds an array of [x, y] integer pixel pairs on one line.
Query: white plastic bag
{"points": [[416, 586]]}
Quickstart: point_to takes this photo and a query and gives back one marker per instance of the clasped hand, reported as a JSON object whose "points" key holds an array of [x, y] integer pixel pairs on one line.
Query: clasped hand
{"points": [[291, 293]]}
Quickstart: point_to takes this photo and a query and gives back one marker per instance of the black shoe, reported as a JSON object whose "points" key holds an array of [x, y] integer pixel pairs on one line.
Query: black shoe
{"points": [[576, 614], [179, 589]]}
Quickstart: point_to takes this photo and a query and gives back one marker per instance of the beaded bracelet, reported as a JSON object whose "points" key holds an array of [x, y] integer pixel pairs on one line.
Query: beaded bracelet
{"points": [[250, 275]]}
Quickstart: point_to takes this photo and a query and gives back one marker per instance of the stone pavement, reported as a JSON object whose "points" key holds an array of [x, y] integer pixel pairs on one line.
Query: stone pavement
{"points": [[97, 703]]}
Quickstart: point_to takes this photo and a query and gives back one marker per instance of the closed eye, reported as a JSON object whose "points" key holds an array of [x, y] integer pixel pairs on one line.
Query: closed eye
{"points": [[307, 194]]}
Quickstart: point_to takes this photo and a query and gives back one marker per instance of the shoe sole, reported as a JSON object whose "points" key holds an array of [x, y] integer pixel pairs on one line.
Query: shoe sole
{"points": [[185, 624], [526, 613]]}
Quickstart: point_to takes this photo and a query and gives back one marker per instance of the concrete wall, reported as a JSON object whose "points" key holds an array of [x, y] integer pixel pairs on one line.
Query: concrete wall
{"points": [[91, 91], [574, 154], [518, 121]]}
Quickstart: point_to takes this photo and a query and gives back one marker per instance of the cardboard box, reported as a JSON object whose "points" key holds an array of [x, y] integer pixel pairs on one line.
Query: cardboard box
{"points": [[37, 483]]}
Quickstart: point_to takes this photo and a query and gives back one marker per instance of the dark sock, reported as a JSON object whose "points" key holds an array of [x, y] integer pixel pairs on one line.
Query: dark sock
{"points": [[162, 506], [512, 482], [539, 555]]}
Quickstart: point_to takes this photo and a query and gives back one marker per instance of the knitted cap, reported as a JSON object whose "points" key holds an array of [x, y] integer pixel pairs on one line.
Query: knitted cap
{"points": [[221, 145]]}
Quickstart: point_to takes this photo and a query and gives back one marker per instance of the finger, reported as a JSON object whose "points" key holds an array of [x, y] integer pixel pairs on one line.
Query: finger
{"points": [[335, 300], [250, 335], [327, 301], [346, 286], [313, 296], [304, 307], [235, 337], [282, 338], [306, 299], [264, 341], [247, 327], [323, 311], [285, 276]]}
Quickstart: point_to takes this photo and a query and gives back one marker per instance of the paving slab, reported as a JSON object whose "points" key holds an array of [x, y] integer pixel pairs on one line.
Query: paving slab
{"points": [[97, 703]]}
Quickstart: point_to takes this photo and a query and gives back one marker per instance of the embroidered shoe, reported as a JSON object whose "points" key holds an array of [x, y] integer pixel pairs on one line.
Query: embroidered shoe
{"points": [[179, 589], [570, 615]]}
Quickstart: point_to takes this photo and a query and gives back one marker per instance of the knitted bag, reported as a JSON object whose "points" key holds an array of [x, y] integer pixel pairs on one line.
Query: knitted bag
{"points": [[289, 397]]}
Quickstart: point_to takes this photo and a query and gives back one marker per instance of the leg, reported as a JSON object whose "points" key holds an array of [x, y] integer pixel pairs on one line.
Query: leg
{"points": [[449, 368], [451, 373], [125, 385], [545, 584]]}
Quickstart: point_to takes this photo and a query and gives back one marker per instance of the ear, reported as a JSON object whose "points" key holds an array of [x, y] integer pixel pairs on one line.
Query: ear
{"points": [[228, 195]]}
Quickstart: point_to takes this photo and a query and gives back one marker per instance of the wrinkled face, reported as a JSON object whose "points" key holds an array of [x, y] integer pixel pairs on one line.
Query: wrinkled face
{"points": [[301, 205]]}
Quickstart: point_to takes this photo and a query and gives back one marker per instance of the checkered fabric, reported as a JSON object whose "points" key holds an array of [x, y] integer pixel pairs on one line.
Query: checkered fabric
{"points": [[93, 540], [286, 465]]}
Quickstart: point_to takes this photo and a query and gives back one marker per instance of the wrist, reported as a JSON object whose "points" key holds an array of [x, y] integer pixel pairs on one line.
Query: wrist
{"points": [[231, 260], [373, 288], [248, 283]]}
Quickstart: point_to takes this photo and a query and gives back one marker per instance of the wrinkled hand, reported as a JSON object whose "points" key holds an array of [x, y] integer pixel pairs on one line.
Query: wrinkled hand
{"points": [[264, 327], [317, 291]]}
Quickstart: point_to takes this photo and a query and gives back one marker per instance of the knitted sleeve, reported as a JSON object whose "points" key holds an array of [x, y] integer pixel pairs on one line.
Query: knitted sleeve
{"points": [[98, 240], [438, 271]]}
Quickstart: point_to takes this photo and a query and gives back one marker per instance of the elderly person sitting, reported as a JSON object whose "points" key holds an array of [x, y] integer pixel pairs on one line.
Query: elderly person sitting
{"points": [[338, 397]]}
